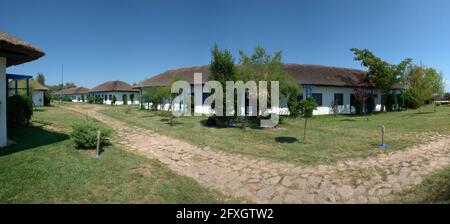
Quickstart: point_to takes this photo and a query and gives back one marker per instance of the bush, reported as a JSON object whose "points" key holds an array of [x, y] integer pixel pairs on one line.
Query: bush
{"points": [[85, 134], [47, 99], [91, 99], [411, 101], [19, 110], [114, 99], [125, 100], [98, 100]]}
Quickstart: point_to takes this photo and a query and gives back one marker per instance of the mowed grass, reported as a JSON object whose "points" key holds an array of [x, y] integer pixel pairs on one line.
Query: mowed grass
{"points": [[434, 189], [44, 167], [329, 138]]}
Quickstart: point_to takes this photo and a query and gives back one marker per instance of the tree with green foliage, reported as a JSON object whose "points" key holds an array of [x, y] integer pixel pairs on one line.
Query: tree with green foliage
{"points": [[422, 84], [40, 78], [113, 100], [132, 98], [157, 95], [381, 73], [307, 108], [125, 99], [263, 66], [222, 69]]}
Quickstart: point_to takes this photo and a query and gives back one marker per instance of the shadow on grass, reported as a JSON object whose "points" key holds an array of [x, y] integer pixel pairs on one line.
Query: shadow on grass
{"points": [[174, 123], [30, 138], [248, 123], [289, 140], [347, 119]]}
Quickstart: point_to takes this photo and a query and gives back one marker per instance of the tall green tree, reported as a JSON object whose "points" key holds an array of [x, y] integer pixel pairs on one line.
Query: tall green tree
{"points": [[422, 84], [383, 74], [222, 69], [262, 66], [40, 78]]}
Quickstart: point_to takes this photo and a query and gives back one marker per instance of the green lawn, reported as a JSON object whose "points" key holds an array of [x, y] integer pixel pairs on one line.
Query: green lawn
{"points": [[330, 138], [46, 168]]}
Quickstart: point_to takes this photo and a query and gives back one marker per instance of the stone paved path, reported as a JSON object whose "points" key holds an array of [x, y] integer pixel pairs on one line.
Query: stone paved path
{"points": [[371, 180]]}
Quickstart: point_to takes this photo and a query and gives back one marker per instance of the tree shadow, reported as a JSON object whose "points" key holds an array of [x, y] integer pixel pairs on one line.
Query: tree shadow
{"points": [[288, 140], [348, 119], [247, 123], [30, 138], [174, 122]]}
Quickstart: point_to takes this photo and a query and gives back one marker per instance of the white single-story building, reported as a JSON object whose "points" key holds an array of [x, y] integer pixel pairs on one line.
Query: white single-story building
{"points": [[13, 51], [327, 85], [38, 90], [121, 90], [77, 94]]}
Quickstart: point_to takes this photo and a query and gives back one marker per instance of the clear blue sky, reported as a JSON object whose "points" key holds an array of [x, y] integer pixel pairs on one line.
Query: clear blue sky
{"points": [[131, 40]]}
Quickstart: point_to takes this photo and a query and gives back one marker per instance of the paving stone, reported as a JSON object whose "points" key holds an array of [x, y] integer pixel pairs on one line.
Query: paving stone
{"points": [[314, 181], [244, 177], [274, 180], [287, 181], [345, 191], [266, 192]]}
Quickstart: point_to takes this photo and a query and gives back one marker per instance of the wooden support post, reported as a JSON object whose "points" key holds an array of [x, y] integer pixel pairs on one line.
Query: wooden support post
{"points": [[382, 135], [97, 154]]}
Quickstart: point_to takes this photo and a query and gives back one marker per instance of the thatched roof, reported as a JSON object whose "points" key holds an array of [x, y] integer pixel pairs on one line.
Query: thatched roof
{"points": [[327, 76], [17, 51], [113, 86], [167, 77], [73, 91], [21, 84], [303, 74]]}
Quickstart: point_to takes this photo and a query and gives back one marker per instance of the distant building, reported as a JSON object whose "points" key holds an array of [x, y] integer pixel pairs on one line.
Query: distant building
{"points": [[327, 85], [38, 91], [121, 90], [77, 94]]}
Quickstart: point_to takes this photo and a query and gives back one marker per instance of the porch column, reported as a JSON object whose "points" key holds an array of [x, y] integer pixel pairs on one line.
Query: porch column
{"points": [[3, 130], [16, 87], [27, 86]]}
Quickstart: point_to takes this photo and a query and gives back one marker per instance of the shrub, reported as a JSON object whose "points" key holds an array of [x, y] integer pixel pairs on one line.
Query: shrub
{"points": [[47, 99], [19, 110], [411, 101], [114, 99], [91, 99], [125, 100], [99, 100], [85, 134], [293, 106]]}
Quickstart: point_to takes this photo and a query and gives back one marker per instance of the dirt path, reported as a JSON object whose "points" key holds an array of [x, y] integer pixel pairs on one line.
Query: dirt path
{"points": [[371, 180]]}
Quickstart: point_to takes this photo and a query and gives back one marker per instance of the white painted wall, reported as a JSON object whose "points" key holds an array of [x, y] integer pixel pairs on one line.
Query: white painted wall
{"points": [[325, 109], [119, 97], [38, 98], [78, 98], [3, 130], [328, 97]]}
